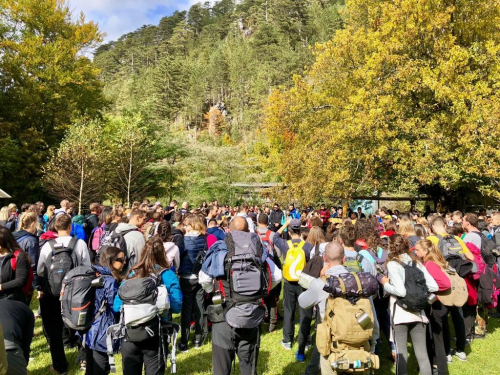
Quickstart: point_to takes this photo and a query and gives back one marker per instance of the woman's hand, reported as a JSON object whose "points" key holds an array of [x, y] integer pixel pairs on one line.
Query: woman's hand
{"points": [[385, 280]]}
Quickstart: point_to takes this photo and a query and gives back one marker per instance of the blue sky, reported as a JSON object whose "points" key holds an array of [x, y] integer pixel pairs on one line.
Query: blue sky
{"points": [[117, 17]]}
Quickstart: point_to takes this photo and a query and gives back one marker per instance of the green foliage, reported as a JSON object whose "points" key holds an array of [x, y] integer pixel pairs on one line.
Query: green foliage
{"points": [[45, 83]]}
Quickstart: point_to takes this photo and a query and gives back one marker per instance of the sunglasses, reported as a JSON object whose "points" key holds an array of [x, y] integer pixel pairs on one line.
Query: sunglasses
{"points": [[121, 260]]}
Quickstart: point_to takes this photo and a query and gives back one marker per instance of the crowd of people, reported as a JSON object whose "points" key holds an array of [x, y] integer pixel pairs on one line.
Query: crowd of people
{"points": [[387, 277]]}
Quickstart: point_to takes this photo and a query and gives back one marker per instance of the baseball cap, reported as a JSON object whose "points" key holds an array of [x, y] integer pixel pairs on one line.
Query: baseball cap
{"points": [[295, 224]]}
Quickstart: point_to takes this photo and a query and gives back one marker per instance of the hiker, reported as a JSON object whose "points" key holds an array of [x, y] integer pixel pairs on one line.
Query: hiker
{"points": [[73, 253], [18, 324], [134, 239], [237, 317], [147, 353], [12, 279], [408, 320], [112, 260]]}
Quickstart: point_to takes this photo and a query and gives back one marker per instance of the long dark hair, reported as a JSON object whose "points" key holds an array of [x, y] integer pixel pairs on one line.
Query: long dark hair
{"points": [[107, 257], [7, 240], [152, 257]]}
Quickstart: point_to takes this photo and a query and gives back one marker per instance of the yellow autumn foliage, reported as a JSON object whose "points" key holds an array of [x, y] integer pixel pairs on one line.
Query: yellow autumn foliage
{"points": [[404, 98]]}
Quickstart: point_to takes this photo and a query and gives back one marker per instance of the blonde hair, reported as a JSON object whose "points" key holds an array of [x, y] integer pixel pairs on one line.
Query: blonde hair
{"points": [[406, 227], [50, 211], [315, 236], [196, 222], [12, 207], [433, 254], [4, 213], [26, 220]]}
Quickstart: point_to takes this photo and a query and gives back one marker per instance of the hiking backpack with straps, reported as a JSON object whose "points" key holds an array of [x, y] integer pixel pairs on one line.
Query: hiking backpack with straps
{"points": [[295, 260], [145, 302], [62, 260], [114, 239], [488, 288], [449, 245], [95, 237], [247, 280], [490, 251], [457, 294], [416, 289], [353, 264], [78, 296], [347, 328]]}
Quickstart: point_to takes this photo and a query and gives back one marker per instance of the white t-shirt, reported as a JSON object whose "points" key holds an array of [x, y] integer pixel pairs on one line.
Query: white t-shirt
{"points": [[473, 238], [81, 251]]}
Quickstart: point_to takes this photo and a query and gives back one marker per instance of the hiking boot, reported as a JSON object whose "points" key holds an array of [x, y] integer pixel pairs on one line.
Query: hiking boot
{"points": [[286, 345], [183, 348], [300, 357], [461, 356]]}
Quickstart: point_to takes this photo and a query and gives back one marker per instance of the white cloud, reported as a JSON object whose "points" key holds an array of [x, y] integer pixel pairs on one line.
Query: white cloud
{"points": [[118, 17]]}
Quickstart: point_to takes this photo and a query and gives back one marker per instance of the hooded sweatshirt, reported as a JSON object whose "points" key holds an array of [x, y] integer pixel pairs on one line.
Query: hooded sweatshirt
{"points": [[135, 242], [29, 243], [173, 255]]}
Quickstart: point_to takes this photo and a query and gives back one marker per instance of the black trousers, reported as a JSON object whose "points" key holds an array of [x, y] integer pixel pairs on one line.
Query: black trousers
{"points": [[228, 342], [384, 320], [147, 353], [438, 317], [271, 302], [470, 313], [97, 362], [193, 297], [314, 366], [459, 324], [50, 308], [291, 293]]}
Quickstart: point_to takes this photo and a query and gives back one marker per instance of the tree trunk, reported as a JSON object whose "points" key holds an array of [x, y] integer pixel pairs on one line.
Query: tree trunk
{"points": [[129, 175], [81, 190]]}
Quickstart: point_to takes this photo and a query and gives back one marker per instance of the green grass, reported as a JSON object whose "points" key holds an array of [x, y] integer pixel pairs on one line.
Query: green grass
{"points": [[483, 356]]}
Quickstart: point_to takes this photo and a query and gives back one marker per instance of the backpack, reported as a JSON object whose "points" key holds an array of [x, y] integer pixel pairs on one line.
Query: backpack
{"points": [[145, 302], [95, 237], [27, 288], [62, 260], [352, 285], [488, 288], [478, 260], [457, 295], [449, 245], [315, 265], [346, 330], [77, 298], [353, 264], [247, 280], [295, 261], [489, 250], [416, 289], [87, 225], [114, 239], [268, 244]]}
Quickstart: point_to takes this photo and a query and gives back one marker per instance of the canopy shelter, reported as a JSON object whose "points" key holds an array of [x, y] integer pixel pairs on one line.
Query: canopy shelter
{"points": [[3, 194]]}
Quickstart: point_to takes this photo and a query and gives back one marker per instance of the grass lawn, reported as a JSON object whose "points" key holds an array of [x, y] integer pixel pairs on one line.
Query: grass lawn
{"points": [[483, 356]]}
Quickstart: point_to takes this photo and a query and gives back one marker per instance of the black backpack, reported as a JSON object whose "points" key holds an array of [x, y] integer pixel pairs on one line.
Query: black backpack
{"points": [[315, 265], [489, 250], [416, 289], [78, 296], [62, 260], [118, 240], [87, 224]]}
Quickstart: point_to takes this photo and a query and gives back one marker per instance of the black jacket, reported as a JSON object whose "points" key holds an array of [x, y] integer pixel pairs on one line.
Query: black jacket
{"points": [[18, 323]]}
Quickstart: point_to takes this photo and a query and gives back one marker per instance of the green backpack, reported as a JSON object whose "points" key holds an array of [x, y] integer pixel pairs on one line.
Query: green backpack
{"points": [[353, 264]]}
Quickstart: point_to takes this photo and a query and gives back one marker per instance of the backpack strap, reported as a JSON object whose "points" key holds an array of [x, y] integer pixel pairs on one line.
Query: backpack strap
{"points": [[342, 286], [13, 260], [358, 281]]}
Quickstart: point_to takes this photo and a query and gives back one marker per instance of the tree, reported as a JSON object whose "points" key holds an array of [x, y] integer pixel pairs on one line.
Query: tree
{"points": [[403, 99], [76, 171], [134, 147], [46, 82]]}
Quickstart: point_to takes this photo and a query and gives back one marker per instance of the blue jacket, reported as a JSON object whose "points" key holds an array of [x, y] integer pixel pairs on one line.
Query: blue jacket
{"points": [[169, 279], [294, 214], [29, 243], [192, 246], [217, 232], [95, 338], [213, 265]]}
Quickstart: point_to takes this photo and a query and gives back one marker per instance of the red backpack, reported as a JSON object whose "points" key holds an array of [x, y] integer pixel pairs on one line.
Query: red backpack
{"points": [[27, 287]]}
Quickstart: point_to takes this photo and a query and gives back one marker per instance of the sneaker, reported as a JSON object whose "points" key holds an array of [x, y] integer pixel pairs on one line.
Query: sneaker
{"points": [[83, 366], [300, 357], [461, 356], [449, 358], [286, 345], [197, 344], [183, 348]]}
